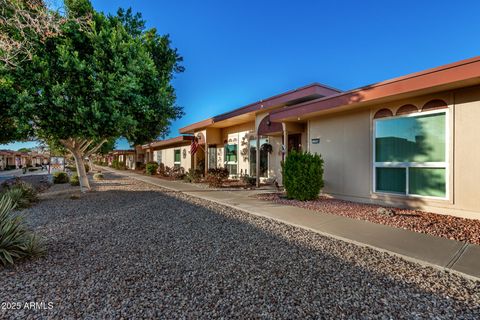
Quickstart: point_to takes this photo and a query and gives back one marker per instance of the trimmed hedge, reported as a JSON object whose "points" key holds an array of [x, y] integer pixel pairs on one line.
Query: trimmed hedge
{"points": [[303, 175], [151, 168], [74, 181], [60, 177]]}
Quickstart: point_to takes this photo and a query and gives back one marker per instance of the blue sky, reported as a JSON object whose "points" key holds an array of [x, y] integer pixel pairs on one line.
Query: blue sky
{"points": [[237, 52]]}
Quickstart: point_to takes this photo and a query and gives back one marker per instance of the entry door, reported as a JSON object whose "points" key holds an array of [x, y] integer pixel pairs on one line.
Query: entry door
{"points": [[212, 157], [295, 142]]}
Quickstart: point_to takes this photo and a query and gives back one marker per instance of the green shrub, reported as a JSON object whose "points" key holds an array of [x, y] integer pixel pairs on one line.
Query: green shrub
{"points": [[16, 240], [249, 181], [98, 176], [216, 176], [115, 164], [151, 168], [193, 175], [60, 177], [74, 181], [303, 175]]}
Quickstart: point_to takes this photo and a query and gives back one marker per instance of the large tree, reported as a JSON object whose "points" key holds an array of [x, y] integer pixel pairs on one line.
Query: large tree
{"points": [[97, 81]]}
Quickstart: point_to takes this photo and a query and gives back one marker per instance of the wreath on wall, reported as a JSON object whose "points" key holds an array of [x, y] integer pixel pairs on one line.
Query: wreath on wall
{"points": [[266, 147], [244, 152]]}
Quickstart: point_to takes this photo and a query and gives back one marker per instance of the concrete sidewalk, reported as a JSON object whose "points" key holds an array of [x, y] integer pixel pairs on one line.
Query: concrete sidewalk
{"points": [[422, 248]]}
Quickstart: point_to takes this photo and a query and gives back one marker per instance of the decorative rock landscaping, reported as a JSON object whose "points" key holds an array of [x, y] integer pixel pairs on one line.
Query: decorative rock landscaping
{"points": [[445, 226], [132, 250]]}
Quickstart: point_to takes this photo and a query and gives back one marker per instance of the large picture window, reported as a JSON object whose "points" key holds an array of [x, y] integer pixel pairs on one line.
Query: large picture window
{"points": [[177, 157], [410, 154], [231, 155]]}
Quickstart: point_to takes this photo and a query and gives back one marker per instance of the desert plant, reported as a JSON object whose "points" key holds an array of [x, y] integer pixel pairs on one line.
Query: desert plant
{"points": [[151, 168], [98, 176], [303, 175], [193, 175], [22, 194], [16, 240], [161, 169], [74, 181], [216, 176], [178, 173], [60, 177]]}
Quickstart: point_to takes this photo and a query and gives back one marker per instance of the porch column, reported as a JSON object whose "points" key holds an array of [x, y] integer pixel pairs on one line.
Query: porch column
{"points": [[257, 157], [206, 159], [285, 140]]}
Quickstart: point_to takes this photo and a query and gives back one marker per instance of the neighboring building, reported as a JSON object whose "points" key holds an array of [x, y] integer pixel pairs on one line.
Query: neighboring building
{"points": [[173, 152], [125, 157], [15, 160]]}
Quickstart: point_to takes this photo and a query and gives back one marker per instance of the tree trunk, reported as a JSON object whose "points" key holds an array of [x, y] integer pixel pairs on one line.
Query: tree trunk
{"points": [[82, 173], [78, 148]]}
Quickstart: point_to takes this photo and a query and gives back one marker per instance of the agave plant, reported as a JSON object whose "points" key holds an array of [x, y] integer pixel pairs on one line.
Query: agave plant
{"points": [[16, 240], [22, 194]]}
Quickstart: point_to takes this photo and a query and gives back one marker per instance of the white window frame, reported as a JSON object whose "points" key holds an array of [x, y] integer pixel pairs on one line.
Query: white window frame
{"points": [[232, 162], [440, 165], [177, 162]]}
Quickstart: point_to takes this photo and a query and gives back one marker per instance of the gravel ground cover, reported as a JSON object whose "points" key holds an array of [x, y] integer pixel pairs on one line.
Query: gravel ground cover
{"points": [[39, 182], [131, 250], [445, 226]]}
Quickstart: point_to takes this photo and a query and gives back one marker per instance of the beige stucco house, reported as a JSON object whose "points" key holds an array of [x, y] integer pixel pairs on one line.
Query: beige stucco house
{"points": [[409, 141], [232, 139], [172, 153]]}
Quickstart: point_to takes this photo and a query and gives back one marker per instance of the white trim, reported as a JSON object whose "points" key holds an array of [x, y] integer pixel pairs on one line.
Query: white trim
{"points": [[177, 162], [441, 165]]}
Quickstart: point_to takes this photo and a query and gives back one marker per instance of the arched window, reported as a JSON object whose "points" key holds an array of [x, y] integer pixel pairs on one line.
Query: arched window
{"points": [[406, 109], [434, 105], [382, 113]]}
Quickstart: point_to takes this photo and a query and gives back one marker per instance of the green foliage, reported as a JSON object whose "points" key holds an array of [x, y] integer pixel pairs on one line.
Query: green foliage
{"points": [[22, 194], [74, 180], [303, 175], [102, 77], [249, 181], [193, 175], [60, 177], [98, 176], [151, 168], [16, 240], [216, 176], [118, 165]]}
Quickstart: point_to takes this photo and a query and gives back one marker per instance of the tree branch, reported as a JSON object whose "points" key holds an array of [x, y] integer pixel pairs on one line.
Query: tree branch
{"points": [[97, 147], [85, 145]]}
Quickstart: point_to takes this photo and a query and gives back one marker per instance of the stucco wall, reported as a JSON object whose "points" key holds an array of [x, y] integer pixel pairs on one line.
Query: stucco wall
{"points": [[467, 150], [346, 147], [167, 157]]}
